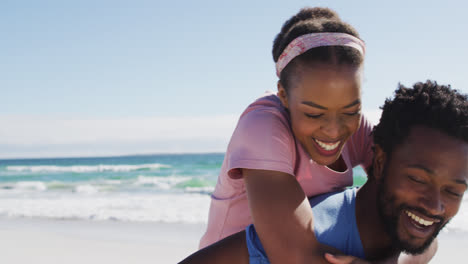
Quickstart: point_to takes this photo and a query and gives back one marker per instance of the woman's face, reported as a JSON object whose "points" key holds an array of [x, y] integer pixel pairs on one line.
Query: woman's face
{"points": [[324, 103]]}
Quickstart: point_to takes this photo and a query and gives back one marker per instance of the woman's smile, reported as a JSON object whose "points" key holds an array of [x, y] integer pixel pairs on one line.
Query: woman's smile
{"points": [[327, 148]]}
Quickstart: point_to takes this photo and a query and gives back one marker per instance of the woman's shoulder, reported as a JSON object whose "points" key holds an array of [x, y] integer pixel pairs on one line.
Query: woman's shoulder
{"points": [[363, 134], [266, 115], [262, 138], [268, 102]]}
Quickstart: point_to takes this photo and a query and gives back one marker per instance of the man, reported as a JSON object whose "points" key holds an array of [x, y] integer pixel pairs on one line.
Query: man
{"points": [[416, 184]]}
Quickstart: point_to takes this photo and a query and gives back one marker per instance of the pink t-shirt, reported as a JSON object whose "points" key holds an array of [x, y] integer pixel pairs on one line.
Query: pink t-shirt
{"points": [[263, 140]]}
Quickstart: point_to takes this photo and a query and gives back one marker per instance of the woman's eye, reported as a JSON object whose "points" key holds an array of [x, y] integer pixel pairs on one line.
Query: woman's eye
{"points": [[353, 113], [313, 116]]}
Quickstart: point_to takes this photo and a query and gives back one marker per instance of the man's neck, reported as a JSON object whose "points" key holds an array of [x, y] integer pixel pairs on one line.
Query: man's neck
{"points": [[375, 240]]}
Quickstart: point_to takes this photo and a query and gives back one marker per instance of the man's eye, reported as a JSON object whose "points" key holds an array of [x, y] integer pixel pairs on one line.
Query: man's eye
{"points": [[415, 179], [454, 193], [313, 116]]}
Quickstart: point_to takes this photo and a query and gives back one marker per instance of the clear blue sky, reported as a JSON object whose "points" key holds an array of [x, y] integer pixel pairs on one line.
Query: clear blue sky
{"points": [[72, 72]]}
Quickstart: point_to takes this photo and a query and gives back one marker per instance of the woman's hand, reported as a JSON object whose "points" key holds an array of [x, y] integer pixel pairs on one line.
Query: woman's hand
{"points": [[343, 259]]}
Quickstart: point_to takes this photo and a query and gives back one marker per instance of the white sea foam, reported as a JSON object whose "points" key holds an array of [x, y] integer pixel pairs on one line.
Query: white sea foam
{"points": [[206, 190], [139, 184], [83, 169], [89, 204], [171, 208], [86, 189], [164, 183], [30, 185], [112, 182]]}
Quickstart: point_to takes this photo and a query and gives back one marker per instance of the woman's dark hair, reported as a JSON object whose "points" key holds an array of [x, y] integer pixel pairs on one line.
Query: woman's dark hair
{"points": [[314, 20]]}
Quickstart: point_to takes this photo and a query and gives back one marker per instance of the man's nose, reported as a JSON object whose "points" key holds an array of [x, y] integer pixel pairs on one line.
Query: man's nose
{"points": [[432, 202]]}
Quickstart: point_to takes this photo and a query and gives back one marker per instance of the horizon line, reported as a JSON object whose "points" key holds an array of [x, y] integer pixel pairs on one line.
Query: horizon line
{"points": [[112, 156]]}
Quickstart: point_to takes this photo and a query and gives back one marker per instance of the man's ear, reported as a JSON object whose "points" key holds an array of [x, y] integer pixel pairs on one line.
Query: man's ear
{"points": [[380, 158], [282, 94]]}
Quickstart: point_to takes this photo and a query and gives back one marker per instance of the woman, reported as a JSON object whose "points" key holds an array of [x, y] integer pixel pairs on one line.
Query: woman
{"points": [[302, 142]]}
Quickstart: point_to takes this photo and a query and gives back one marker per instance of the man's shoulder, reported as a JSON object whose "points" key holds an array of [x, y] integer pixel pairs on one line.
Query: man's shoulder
{"points": [[333, 210], [335, 221], [334, 200]]}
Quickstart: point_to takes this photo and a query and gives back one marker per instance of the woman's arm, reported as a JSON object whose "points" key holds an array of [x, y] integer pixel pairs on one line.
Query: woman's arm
{"points": [[230, 250], [282, 217]]}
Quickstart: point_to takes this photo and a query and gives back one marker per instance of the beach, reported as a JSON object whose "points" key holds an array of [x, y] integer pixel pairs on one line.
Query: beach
{"points": [[129, 209], [451, 248], [77, 241]]}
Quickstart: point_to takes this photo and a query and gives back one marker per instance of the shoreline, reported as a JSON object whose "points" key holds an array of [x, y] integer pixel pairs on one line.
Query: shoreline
{"points": [[78, 241], [26, 240]]}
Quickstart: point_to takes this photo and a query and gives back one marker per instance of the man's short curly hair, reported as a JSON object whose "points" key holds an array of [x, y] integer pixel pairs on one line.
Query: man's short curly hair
{"points": [[427, 104]]}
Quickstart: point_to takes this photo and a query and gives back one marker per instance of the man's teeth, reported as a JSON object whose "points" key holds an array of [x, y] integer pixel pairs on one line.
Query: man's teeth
{"points": [[328, 146], [419, 219]]}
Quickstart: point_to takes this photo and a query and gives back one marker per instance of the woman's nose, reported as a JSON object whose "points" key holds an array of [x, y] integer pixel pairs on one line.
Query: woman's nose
{"points": [[332, 127]]}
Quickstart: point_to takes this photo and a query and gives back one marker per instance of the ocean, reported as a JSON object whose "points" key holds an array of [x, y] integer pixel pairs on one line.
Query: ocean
{"points": [[171, 188]]}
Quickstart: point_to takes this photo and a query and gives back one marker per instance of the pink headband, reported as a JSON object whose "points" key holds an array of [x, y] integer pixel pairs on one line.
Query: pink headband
{"points": [[306, 42]]}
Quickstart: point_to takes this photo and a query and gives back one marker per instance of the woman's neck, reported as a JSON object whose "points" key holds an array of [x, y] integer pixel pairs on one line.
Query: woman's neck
{"points": [[339, 165]]}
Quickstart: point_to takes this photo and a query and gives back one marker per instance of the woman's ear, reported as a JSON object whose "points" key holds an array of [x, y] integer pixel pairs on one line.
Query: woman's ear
{"points": [[380, 157], [282, 94]]}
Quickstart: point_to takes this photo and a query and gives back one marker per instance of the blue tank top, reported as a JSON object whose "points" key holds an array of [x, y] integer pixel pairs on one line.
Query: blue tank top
{"points": [[334, 225]]}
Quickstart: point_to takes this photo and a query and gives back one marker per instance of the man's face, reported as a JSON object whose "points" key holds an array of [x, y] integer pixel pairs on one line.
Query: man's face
{"points": [[421, 187]]}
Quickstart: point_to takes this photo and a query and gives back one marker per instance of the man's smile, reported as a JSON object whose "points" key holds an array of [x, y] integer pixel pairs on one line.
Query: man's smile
{"points": [[421, 220], [419, 225]]}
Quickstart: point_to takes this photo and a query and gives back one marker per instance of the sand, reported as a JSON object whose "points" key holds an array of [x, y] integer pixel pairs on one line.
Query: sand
{"points": [[452, 247], [75, 241], [71, 241]]}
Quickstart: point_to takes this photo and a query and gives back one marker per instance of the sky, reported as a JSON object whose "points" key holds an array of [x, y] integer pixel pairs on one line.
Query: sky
{"points": [[101, 77]]}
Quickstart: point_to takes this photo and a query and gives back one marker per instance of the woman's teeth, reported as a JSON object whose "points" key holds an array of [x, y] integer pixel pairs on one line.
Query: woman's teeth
{"points": [[328, 146], [419, 219]]}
